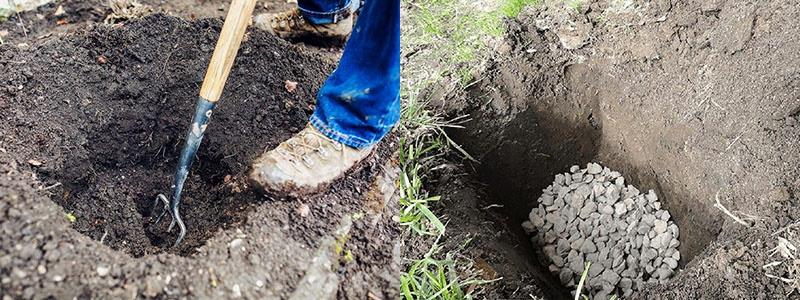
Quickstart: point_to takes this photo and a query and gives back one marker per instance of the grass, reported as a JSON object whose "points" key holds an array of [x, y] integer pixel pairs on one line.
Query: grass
{"points": [[574, 4], [579, 289], [431, 278], [450, 35], [447, 40], [512, 8], [71, 217]]}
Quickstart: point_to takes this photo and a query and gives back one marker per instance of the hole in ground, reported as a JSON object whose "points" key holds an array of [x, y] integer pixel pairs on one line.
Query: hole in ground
{"points": [[528, 134], [111, 191]]}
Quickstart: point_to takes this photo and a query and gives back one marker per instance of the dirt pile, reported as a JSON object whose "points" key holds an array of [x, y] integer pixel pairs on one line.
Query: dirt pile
{"points": [[590, 216], [93, 123]]}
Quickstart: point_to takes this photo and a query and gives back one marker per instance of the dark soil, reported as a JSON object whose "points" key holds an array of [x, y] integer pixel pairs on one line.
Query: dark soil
{"points": [[95, 122], [687, 99]]}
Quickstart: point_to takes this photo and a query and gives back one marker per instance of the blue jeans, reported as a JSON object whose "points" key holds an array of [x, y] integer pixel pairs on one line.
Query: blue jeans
{"points": [[360, 101]]}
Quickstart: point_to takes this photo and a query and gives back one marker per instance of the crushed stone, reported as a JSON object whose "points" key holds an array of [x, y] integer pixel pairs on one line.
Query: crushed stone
{"points": [[590, 215]]}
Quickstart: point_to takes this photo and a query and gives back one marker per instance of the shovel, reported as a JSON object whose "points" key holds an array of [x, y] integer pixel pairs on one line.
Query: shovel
{"points": [[218, 69]]}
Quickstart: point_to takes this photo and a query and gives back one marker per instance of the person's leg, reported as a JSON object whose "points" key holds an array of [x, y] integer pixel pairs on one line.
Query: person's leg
{"points": [[360, 101], [356, 107], [317, 21]]}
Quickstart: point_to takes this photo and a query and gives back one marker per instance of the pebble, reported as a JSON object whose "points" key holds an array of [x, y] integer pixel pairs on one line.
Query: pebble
{"points": [[643, 229], [660, 226], [577, 265], [565, 275], [595, 269], [598, 189], [625, 283], [593, 168], [559, 224], [606, 210], [663, 273], [649, 219], [588, 178], [619, 209], [662, 241], [19, 273], [547, 200], [559, 179], [102, 271], [577, 200], [577, 244], [588, 247], [651, 196], [665, 216], [610, 277], [588, 209], [671, 262], [649, 254], [577, 177]]}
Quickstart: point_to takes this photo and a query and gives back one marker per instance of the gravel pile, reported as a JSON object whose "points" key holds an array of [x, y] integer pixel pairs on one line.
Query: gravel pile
{"points": [[591, 215]]}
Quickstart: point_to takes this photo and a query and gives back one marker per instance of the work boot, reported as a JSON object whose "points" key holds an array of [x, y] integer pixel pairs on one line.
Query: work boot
{"points": [[305, 163], [291, 25]]}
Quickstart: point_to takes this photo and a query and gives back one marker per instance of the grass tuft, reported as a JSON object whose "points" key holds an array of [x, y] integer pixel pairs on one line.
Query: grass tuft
{"points": [[431, 278], [574, 4], [71, 217], [512, 8]]}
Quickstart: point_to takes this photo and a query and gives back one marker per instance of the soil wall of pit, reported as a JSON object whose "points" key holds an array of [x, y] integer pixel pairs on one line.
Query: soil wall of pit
{"points": [[693, 101]]}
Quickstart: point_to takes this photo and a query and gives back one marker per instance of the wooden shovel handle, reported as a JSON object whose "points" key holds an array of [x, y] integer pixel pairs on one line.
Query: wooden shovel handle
{"points": [[227, 46]]}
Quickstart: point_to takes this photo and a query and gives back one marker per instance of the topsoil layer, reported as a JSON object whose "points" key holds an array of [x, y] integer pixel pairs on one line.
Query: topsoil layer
{"points": [[94, 122], [698, 101]]}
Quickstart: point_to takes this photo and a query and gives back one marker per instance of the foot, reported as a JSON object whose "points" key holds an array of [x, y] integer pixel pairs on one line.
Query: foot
{"points": [[304, 164], [291, 25]]}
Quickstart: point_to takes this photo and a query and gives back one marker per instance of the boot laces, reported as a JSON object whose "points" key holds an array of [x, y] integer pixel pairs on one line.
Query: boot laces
{"points": [[300, 148], [288, 20]]}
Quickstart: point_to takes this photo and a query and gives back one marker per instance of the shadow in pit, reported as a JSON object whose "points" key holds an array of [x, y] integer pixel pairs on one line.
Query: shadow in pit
{"points": [[519, 159]]}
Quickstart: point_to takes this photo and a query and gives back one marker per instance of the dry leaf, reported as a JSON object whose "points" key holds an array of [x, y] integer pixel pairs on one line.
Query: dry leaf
{"points": [[34, 162]]}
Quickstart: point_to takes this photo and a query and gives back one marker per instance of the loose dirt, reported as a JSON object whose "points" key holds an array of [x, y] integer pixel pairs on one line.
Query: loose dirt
{"points": [[91, 125], [696, 102]]}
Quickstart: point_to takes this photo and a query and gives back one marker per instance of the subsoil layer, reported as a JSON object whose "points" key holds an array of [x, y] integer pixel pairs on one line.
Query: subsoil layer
{"points": [[91, 126]]}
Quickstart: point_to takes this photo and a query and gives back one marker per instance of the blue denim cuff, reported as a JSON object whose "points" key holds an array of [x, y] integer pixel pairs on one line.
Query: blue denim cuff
{"points": [[349, 140], [333, 16]]}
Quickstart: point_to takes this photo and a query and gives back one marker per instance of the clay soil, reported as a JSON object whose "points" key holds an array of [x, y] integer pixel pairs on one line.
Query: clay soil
{"points": [[697, 102], [91, 124]]}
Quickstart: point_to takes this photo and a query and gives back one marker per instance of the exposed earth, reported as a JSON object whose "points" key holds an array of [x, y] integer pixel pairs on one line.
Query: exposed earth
{"points": [[698, 102], [91, 124]]}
